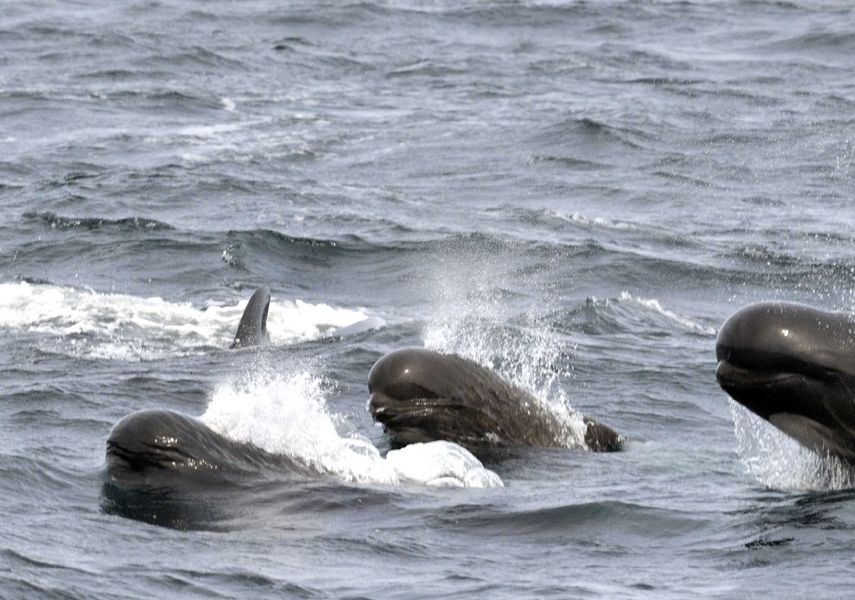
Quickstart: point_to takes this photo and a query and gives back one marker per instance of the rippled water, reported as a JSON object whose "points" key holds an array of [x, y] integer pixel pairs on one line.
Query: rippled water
{"points": [[575, 194]]}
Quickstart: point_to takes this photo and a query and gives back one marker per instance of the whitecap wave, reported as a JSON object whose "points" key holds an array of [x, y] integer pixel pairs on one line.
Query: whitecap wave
{"points": [[781, 463], [586, 221], [653, 305], [90, 324], [287, 415]]}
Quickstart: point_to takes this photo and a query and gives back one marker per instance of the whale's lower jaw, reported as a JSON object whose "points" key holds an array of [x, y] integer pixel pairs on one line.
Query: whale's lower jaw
{"points": [[808, 409], [814, 436]]}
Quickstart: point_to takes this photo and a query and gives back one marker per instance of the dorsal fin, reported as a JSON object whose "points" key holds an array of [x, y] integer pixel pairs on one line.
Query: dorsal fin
{"points": [[252, 330]]}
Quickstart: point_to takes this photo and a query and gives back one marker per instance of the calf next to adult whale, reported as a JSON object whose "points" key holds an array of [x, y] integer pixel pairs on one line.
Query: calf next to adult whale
{"points": [[795, 367], [420, 395]]}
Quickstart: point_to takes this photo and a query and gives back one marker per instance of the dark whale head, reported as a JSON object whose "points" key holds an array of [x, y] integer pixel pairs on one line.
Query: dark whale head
{"points": [[150, 445], [168, 468], [164, 449], [795, 367], [252, 329], [420, 395]]}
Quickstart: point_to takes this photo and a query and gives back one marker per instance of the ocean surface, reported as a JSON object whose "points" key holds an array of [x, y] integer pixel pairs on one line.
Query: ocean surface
{"points": [[575, 194]]}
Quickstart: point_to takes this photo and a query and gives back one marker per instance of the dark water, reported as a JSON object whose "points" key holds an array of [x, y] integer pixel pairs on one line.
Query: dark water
{"points": [[574, 193]]}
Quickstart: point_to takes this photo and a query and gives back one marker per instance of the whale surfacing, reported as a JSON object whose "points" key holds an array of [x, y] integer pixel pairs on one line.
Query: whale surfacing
{"points": [[252, 329], [420, 395], [162, 449], [154, 449], [793, 366]]}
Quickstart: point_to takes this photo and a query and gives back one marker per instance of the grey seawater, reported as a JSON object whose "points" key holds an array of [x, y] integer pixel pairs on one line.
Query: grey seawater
{"points": [[576, 193]]}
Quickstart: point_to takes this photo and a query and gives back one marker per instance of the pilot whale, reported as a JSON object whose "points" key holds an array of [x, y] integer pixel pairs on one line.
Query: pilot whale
{"points": [[794, 366], [148, 448], [153, 449], [420, 395], [162, 449], [252, 329]]}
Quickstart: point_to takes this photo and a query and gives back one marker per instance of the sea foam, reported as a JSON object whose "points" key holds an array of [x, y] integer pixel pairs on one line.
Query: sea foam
{"points": [[287, 414], [91, 324]]}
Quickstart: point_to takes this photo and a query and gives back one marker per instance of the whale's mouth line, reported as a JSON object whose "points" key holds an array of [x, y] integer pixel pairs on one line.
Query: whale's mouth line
{"points": [[385, 407], [414, 420], [731, 376], [801, 404]]}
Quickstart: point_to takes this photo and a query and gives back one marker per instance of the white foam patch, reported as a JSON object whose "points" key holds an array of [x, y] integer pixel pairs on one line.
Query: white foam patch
{"points": [[781, 463], [586, 221], [288, 415], [295, 321], [124, 327], [655, 306], [441, 464], [240, 141], [212, 130]]}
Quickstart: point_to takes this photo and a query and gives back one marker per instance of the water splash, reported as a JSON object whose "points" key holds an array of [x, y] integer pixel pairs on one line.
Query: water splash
{"points": [[781, 463], [442, 464], [287, 414], [472, 320]]}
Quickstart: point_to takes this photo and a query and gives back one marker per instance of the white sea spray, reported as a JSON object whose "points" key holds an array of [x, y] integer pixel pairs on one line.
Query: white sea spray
{"points": [[288, 415], [779, 462]]}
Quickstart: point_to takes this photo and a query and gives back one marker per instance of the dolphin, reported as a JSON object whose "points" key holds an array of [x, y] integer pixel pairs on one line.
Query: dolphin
{"points": [[152, 448], [793, 366]]}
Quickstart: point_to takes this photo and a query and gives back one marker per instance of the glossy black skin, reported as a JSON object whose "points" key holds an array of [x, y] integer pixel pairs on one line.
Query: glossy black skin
{"points": [[420, 395], [164, 449], [252, 329], [795, 367]]}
